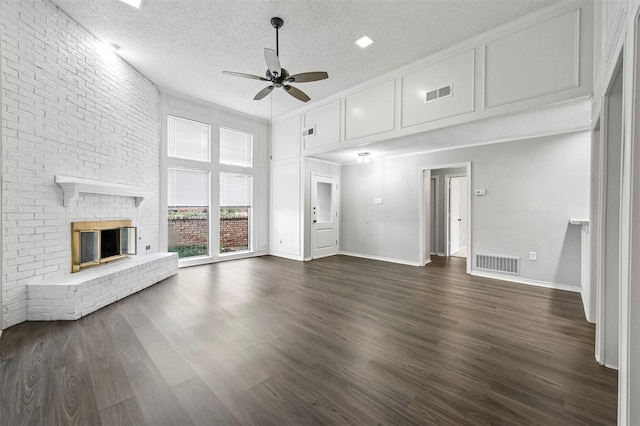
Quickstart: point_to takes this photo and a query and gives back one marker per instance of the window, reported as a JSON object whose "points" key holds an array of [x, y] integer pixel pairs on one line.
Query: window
{"points": [[188, 212], [207, 183], [188, 139], [236, 148], [235, 212]]}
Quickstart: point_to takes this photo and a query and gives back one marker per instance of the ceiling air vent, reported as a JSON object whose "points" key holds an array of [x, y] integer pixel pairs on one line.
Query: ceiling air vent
{"points": [[436, 94], [503, 264]]}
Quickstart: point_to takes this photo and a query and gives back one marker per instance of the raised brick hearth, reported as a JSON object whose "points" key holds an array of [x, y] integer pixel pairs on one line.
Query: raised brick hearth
{"points": [[79, 294]]}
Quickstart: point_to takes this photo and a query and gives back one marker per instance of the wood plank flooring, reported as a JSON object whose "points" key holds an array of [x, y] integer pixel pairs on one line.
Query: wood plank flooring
{"points": [[338, 340]]}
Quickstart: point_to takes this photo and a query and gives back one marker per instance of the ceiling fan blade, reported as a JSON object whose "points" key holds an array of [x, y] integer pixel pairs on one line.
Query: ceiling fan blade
{"points": [[243, 75], [264, 92], [273, 63], [297, 93], [306, 77]]}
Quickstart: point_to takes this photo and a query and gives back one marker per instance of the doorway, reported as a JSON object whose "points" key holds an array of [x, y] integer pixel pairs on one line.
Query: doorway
{"points": [[324, 216], [435, 231], [608, 252]]}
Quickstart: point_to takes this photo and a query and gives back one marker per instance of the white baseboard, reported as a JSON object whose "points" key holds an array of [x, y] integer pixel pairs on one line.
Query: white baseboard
{"points": [[286, 255], [585, 306], [205, 260], [514, 279], [380, 258], [307, 259]]}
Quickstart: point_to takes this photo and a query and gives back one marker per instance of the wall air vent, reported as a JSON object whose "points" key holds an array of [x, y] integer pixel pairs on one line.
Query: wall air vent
{"points": [[309, 131], [502, 264], [436, 94], [431, 96]]}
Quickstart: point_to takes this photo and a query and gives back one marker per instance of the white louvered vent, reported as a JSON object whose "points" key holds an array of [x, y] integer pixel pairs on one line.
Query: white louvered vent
{"points": [[503, 264], [436, 94]]}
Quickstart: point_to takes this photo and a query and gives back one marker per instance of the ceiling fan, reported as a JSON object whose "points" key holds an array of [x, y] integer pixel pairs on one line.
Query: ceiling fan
{"points": [[278, 76]]}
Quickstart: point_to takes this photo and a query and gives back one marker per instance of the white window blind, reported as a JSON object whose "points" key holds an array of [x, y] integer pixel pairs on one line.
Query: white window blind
{"points": [[235, 190], [236, 148], [188, 188], [188, 139]]}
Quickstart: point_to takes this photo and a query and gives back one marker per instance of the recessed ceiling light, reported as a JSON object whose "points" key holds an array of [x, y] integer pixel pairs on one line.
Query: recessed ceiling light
{"points": [[364, 41], [134, 3]]}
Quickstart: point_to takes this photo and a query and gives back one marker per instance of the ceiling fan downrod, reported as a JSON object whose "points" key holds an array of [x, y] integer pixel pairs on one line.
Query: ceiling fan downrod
{"points": [[277, 23]]}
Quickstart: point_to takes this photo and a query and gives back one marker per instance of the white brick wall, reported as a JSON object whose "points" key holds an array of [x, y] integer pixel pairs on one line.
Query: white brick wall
{"points": [[70, 107]]}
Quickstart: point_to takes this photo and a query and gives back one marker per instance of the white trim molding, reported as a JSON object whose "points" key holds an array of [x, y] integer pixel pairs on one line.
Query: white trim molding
{"points": [[536, 283], [380, 258]]}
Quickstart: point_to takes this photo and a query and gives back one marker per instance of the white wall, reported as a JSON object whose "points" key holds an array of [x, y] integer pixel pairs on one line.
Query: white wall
{"points": [[287, 190], [532, 188], [287, 210], [71, 107]]}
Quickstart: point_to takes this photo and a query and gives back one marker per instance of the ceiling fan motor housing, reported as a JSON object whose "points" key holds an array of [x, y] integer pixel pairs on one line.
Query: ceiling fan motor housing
{"points": [[280, 79], [276, 22]]}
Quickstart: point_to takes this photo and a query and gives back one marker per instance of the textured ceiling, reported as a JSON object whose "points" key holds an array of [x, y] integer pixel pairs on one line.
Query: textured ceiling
{"points": [[184, 45]]}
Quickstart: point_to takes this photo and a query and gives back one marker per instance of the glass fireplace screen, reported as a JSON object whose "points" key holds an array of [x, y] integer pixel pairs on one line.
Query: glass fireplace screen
{"points": [[95, 243]]}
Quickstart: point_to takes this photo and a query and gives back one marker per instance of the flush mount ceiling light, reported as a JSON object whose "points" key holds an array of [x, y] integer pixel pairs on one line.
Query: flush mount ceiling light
{"points": [[364, 41], [133, 3], [363, 157]]}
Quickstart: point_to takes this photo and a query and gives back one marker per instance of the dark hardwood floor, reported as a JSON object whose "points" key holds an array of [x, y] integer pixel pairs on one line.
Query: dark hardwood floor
{"points": [[338, 340]]}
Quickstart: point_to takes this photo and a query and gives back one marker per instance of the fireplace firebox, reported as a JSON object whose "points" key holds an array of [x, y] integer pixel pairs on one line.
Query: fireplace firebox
{"points": [[96, 243]]}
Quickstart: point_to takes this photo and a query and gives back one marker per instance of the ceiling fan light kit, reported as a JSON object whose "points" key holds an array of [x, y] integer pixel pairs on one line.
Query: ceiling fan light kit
{"points": [[278, 76]]}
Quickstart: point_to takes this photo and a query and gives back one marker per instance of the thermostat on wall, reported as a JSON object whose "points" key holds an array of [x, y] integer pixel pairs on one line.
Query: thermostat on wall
{"points": [[480, 192]]}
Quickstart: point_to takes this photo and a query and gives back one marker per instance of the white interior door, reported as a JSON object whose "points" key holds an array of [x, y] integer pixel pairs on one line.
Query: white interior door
{"points": [[324, 216], [457, 215], [454, 213]]}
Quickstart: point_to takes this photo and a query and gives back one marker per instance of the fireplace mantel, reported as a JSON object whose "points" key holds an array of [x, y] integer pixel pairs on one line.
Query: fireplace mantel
{"points": [[72, 187]]}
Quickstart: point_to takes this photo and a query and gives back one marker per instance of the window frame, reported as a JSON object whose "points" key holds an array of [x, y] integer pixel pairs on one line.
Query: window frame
{"points": [[216, 119]]}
